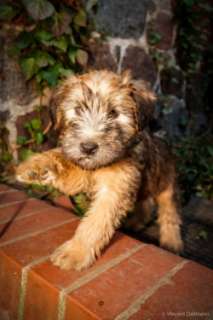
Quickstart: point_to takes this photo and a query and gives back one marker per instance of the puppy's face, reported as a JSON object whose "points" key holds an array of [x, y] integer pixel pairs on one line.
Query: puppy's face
{"points": [[99, 118]]}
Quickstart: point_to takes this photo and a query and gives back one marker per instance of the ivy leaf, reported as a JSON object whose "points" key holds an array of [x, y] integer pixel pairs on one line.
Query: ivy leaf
{"points": [[210, 150], [24, 40], [21, 140], [36, 123], [28, 66], [50, 75], [72, 55], [81, 19], [25, 153], [39, 137], [61, 23], [39, 9], [43, 59], [82, 57], [13, 50], [6, 156], [65, 72], [43, 36], [81, 204], [60, 43], [7, 12]]}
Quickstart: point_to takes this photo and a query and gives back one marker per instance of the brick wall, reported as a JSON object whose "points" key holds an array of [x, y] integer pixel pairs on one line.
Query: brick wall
{"points": [[131, 280]]}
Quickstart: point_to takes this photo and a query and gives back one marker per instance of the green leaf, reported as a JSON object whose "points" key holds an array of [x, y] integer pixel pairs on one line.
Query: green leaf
{"points": [[81, 204], [28, 66], [81, 18], [39, 9], [50, 75], [154, 38], [7, 12], [60, 43], [24, 40], [189, 3], [6, 156], [27, 125], [43, 35], [203, 234], [82, 57], [72, 55], [25, 153], [61, 23], [210, 150], [21, 140], [39, 137], [36, 123], [43, 59], [65, 72], [13, 50]]}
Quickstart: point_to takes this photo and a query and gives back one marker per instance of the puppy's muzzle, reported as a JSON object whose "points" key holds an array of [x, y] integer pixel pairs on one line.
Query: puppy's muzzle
{"points": [[88, 148]]}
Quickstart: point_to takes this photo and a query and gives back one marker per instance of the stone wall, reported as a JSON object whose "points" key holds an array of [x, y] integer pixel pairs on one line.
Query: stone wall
{"points": [[140, 36], [135, 35]]}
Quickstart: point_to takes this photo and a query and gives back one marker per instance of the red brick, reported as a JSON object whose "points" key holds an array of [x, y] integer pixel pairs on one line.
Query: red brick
{"points": [[10, 197], [61, 279], [79, 312], [35, 223], [112, 292], [33, 248], [4, 187], [190, 290], [15, 256], [105, 293], [21, 209], [10, 275], [64, 202], [37, 308]]}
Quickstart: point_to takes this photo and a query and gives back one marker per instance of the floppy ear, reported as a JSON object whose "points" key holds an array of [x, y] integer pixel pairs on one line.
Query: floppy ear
{"points": [[56, 103], [55, 108], [144, 98]]}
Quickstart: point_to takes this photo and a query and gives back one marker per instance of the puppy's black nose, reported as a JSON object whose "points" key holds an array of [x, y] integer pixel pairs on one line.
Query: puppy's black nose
{"points": [[88, 147]]}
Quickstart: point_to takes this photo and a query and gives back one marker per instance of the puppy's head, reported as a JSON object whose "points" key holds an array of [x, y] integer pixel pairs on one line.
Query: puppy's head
{"points": [[99, 115]]}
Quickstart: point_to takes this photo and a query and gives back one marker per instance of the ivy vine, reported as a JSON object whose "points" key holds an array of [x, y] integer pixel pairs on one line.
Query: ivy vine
{"points": [[51, 44]]}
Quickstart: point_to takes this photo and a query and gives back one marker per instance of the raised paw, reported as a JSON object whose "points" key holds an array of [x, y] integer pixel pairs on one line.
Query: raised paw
{"points": [[72, 255], [35, 170]]}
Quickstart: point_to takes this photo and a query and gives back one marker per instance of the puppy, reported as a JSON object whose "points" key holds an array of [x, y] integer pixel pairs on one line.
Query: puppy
{"points": [[106, 151]]}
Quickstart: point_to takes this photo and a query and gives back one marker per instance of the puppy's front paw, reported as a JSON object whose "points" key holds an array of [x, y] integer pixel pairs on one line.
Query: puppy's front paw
{"points": [[72, 254], [47, 176]]}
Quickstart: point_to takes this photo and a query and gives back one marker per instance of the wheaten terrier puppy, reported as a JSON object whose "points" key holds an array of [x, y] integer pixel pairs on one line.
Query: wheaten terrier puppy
{"points": [[107, 152]]}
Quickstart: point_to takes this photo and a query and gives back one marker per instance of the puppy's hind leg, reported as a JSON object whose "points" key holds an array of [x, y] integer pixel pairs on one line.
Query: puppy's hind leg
{"points": [[169, 220]]}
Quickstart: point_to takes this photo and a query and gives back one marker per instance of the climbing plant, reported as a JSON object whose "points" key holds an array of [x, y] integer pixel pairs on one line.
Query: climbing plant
{"points": [[52, 40]]}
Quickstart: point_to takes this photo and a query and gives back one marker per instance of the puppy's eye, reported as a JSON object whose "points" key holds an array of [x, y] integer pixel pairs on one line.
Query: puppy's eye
{"points": [[73, 125], [113, 114]]}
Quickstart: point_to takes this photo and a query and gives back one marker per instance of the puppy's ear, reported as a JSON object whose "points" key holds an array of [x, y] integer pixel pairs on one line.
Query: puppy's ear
{"points": [[58, 97], [55, 107], [145, 99]]}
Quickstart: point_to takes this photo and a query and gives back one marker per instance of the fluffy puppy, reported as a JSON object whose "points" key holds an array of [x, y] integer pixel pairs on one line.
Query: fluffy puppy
{"points": [[107, 152]]}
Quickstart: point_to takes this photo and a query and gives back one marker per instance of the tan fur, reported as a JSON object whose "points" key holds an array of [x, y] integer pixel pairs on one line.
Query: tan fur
{"points": [[127, 165]]}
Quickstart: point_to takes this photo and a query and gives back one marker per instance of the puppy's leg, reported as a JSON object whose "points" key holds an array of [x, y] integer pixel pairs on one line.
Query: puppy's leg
{"points": [[52, 169], [114, 191], [141, 216], [169, 220]]}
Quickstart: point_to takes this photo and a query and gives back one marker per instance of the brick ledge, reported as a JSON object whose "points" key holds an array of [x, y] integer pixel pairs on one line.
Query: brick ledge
{"points": [[131, 280]]}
